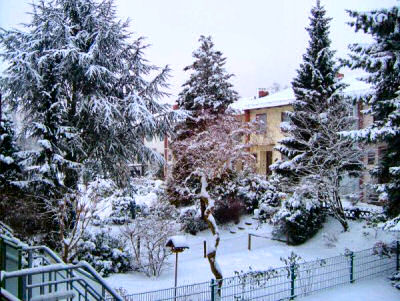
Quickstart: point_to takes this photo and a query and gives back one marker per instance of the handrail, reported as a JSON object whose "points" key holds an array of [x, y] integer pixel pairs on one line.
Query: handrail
{"points": [[64, 267], [7, 295], [56, 258]]}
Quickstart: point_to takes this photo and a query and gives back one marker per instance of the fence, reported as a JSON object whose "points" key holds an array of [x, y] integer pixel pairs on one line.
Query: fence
{"points": [[286, 283]]}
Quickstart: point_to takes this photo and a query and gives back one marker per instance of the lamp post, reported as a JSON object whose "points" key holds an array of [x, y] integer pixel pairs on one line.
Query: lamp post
{"points": [[177, 244]]}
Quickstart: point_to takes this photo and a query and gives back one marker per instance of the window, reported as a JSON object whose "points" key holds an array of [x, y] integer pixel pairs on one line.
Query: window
{"points": [[284, 117], [371, 157], [262, 118]]}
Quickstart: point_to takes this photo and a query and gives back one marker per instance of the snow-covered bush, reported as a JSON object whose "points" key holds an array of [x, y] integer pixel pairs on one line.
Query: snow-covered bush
{"points": [[260, 196], [121, 205], [192, 222], [299, 217], [148, 235], [105, 252]]}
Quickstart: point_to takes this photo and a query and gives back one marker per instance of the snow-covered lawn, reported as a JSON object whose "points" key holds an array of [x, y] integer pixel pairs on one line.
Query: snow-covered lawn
{"points": [[234, 256], [378, 289]]}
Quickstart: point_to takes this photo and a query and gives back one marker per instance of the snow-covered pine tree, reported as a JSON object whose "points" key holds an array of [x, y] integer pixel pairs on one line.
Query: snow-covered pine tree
{"points": [[81, 83], [313, 147], [381, 60], [208, 87]]}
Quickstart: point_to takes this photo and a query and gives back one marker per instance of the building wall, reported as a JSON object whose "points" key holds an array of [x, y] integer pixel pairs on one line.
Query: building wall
{"points": [[266, 141]]}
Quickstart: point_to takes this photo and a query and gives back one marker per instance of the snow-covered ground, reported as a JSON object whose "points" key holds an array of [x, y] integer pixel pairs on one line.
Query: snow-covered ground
{"points": [[378, 289], [234, 256]]}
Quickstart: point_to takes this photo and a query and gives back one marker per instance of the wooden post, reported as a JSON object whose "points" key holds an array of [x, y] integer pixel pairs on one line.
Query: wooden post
{"points": [[176, 273], [205, 248], [249, 242], [138, 246]]}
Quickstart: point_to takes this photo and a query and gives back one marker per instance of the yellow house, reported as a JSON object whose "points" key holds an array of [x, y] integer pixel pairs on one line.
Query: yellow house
{"points": [[271, 109]]}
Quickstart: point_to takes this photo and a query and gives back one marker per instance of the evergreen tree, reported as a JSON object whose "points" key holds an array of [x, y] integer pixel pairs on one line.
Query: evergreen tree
{"points": [[381, 60], [82, 85], [208, 87], [315, 86], [314, 150]]}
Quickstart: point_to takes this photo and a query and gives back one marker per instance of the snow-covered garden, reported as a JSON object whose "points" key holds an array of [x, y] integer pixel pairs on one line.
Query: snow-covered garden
{"points": [[86, 99]]}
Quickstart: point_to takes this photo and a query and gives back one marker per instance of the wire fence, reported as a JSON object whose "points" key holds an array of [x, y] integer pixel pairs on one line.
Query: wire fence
{"points": [[288, 282]]}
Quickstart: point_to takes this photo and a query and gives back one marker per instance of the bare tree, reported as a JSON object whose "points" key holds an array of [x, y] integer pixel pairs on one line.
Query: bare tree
{"points": [[148, 236], [214, 152]]}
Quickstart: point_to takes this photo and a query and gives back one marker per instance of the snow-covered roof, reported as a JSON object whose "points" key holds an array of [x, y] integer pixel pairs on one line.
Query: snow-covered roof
{"points": [[286, 96], [177, 241]]}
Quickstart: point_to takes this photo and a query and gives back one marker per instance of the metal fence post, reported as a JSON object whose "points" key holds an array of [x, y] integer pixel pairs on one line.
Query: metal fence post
{"points": [[212, 290], [351, 267], [397, 255], [249, 242], [292, 278]]}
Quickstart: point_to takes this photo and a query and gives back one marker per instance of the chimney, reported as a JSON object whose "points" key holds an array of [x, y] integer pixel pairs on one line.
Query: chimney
{"points": [[262, 92]]}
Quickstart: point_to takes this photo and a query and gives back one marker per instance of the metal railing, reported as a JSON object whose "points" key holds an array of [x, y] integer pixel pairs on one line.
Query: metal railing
{"points": [[285, 283], [47, 274]]}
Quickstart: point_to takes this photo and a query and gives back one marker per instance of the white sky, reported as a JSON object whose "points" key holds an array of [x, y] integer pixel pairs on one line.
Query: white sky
{"points": [[263, 40]]}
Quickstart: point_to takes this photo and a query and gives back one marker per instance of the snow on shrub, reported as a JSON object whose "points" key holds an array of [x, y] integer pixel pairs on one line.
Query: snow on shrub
{"points": [[105, 252], [300, 217], [148, 234], [191, 221], [119, 203]]}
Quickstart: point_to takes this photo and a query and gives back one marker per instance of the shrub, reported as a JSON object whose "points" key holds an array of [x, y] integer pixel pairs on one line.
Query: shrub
{"points": [[106, 253], [192, 222], [148, 235], [300, 217], [226, 212]]}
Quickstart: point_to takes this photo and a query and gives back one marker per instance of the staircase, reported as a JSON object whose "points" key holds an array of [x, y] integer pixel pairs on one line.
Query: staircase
{"points": [[38, 274]]}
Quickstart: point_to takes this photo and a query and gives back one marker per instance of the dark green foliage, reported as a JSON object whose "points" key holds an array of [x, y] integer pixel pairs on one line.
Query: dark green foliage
{"points": [[381, 60], [300, 217], [105, 252], [208, 87], [316, 88]]}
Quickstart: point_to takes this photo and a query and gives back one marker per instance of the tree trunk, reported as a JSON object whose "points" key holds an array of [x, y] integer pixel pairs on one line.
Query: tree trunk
{"points": [[208, 204], [338, 209]]}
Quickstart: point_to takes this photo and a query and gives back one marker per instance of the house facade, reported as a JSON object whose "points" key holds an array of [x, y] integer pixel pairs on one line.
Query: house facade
{"points": [[271, 110]]}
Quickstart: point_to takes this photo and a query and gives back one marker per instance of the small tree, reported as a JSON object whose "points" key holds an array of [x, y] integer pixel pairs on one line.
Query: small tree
{"points": [[148, 235], [207, 92], [380, 60], [212, 154]]}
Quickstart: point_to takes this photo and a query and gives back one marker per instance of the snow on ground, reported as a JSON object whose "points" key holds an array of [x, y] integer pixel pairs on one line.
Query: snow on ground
{"points": [[232, 254], [378, 289]]}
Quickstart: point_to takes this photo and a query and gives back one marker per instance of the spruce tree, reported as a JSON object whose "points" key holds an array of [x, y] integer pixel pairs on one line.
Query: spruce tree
{"points": [[381, 60], [315, 86], [208, 87], [314, 151]]}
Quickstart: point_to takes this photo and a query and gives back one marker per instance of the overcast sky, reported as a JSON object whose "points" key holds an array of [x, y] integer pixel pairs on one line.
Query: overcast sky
{"points": [[263, 40]]}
